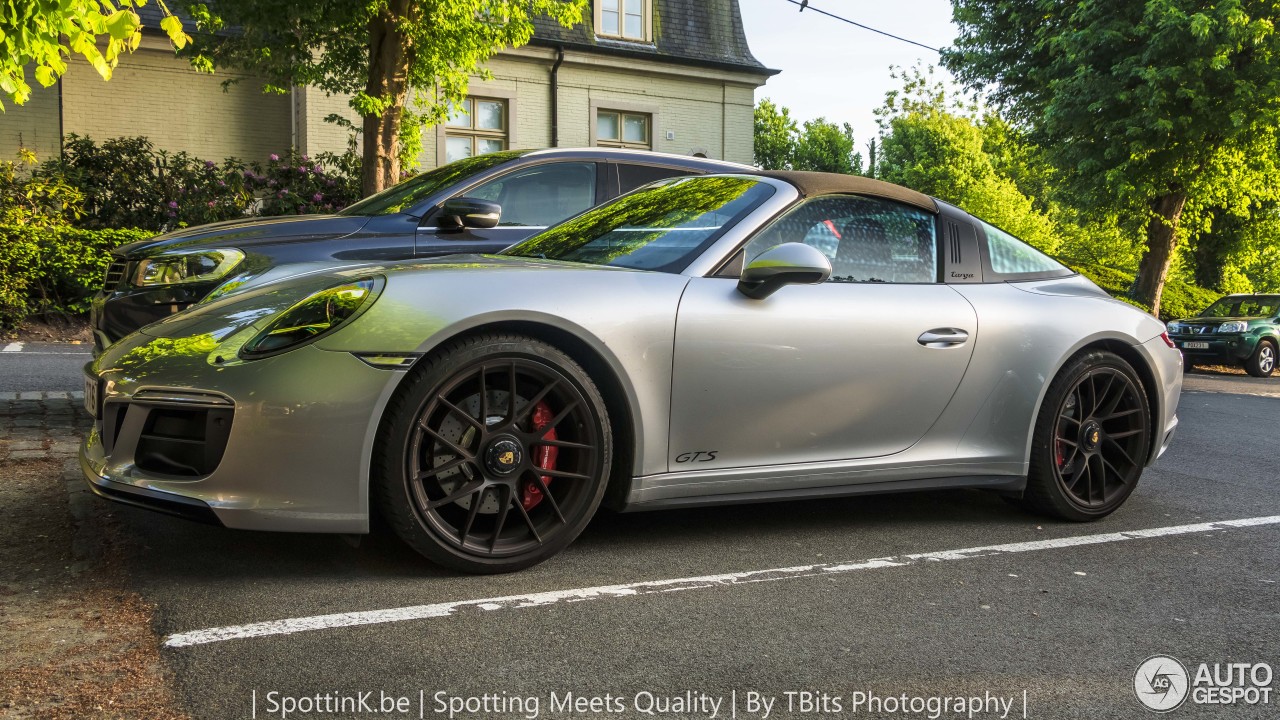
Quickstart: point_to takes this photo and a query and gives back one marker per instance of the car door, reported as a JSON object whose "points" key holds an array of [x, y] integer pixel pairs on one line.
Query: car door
{"points": [[533, 198], [859, 366]]}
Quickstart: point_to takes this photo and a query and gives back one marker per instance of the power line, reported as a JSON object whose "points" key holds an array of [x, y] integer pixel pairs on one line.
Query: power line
{"points": [[804, 5]]}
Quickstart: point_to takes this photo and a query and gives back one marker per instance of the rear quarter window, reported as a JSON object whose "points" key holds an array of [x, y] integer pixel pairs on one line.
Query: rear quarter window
{"points": [[1008, 258]]}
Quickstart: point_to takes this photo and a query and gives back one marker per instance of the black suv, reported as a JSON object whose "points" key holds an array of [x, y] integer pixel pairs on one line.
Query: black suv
{"points": [[476, 205]]}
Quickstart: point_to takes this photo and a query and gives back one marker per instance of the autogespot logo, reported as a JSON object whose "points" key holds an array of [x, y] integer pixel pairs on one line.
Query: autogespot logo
{"points": [[1161, 683]]}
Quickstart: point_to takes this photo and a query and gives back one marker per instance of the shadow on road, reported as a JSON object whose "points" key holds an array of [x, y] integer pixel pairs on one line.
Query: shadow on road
{"points": [[173, 549]]}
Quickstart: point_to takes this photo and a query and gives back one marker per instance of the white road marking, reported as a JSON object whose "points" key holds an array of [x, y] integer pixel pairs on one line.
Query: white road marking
{"points": [[13, 347], [514, 602]]}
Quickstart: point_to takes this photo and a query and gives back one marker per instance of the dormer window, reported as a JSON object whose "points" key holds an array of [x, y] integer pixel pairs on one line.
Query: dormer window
{"points": [[624, 19]]}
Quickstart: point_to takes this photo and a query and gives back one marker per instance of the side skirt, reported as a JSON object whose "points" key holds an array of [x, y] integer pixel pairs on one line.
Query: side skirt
{"points": [[1004, 484]]}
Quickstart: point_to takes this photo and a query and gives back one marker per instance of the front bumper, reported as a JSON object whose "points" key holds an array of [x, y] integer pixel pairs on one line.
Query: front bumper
{"points": [[292, 453], [1225, 349], [167, 503], [1167, 367]]}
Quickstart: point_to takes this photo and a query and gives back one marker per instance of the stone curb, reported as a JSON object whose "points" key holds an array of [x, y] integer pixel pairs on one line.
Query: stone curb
{"points": [[42, 395]]}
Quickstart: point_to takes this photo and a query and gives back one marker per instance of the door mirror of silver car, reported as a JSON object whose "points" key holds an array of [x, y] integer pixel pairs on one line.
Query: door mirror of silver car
{"points": [[469, 212], [786, 264]]}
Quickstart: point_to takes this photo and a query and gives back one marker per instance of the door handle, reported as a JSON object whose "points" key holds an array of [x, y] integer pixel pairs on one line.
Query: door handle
{"points": [[943, 337]]}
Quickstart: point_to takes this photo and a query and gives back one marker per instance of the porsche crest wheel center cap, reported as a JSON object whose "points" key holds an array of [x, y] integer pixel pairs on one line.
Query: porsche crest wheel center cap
{"points": [[503, 456], [1091, 436]]}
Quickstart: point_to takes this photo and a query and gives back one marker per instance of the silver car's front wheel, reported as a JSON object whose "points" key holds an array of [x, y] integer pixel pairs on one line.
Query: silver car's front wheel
{"points": [[494, 455]]}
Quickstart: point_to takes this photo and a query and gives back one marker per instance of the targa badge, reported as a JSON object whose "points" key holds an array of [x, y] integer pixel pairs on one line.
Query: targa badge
{"points": [[1161, 683]]}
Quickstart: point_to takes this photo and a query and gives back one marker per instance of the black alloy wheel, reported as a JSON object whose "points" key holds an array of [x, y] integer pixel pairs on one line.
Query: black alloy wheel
{"points": [[497, 454], [1091, 439]]}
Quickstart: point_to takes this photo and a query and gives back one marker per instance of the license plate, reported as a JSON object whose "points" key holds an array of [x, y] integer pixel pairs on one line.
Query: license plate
{"points": [[91, 395], [1196, 345]]}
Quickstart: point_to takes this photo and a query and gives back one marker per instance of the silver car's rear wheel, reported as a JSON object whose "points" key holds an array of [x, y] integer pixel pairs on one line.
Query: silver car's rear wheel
{"points": [[496, 455], [1091, 439]]}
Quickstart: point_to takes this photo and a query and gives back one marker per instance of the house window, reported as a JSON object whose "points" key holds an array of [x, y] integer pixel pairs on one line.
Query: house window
{"points": [[626, 19], [623, 129], [475, 126]]}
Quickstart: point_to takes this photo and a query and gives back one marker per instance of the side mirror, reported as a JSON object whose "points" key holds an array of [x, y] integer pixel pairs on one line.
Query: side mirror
{"points": [[786, 264], [468, 212]]}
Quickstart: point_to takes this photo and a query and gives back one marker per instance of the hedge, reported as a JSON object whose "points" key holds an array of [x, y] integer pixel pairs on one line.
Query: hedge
{"points": [[1180, 300], [54, 270]]}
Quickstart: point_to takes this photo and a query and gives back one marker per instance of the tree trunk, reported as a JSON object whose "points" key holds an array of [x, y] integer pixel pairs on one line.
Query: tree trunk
{"points": [[1162, 231], [388, 81]]}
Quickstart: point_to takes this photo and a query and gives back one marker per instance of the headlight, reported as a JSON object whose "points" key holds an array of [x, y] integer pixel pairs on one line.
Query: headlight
{"points": [[1174, 328], [306, 321], [1233, 326], [178, 268]]}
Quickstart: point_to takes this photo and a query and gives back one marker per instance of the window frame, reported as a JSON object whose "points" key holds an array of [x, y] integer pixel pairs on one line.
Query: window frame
{"points": [[507, 135], [621, 143], [475, 133], [646, 18], [733, 263]]}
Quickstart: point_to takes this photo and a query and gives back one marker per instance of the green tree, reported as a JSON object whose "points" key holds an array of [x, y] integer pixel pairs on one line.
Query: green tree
{"points": [[1153, 107], [774, 138], [826, 147], [44, 34], [933, 142], [942, 154], [1237, 253], [1258, 258], [404, 62]]}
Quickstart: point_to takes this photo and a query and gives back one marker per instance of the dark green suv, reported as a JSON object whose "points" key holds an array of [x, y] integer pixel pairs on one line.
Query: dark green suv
{"points": [[1235, 330]]}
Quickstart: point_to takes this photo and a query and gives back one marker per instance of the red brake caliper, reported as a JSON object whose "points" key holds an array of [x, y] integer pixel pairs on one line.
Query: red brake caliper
{"points": [[545, 456]]}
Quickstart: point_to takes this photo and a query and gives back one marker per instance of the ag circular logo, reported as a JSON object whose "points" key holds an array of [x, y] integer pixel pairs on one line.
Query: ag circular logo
{"points": [[1161, 683]]}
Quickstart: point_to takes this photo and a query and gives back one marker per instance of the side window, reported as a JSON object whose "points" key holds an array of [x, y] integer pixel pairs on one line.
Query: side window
{"points": [[541, 195], [867, 240], [1011, 256], [631, 176]]}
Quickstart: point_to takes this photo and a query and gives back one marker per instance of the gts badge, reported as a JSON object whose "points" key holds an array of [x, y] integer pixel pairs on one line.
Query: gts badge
{"points": [[699, 456]]}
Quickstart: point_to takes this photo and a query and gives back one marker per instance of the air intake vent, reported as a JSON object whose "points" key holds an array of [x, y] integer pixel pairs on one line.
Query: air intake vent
{"points": [[953, 239], [115, 275], [183, 442]]}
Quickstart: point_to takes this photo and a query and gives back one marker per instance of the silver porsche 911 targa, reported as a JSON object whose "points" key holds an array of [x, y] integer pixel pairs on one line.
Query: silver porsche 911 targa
{"points": [[702, 340]]}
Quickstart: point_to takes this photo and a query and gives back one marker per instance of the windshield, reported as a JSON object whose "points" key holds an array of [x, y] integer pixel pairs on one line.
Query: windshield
{"points": [[1243, 306], [417, 188], [662, 226]]}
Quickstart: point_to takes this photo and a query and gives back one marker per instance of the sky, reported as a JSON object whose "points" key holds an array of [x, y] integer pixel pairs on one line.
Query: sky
{"points": [[835, 70]]}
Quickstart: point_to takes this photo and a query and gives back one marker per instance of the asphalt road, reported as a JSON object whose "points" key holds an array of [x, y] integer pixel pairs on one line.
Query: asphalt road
{"points": [[26, 367], [1065, 624]]}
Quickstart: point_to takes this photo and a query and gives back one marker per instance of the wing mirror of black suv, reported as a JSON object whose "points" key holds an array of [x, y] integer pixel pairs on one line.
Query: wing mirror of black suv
{"points": [[785, 264], [469, 212]]}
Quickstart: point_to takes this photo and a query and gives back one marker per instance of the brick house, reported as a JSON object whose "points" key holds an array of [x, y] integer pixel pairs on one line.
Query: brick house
{"points": [[669, 75]]}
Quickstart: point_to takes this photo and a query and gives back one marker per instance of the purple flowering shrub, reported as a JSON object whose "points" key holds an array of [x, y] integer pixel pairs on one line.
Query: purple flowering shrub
{"points": [[195, 191], [297, 184]]}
